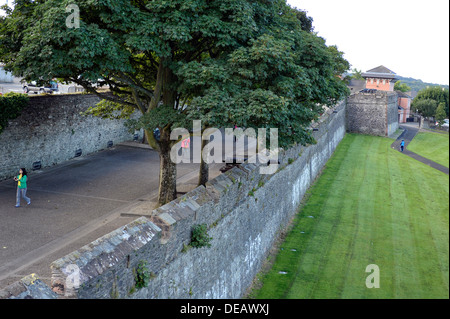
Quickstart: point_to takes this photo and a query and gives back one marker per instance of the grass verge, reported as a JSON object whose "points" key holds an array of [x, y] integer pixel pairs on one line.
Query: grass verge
{"points": [[372, 205], [434, 146]]}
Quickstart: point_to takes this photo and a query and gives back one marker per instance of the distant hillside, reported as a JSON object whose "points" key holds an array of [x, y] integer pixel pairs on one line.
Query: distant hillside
{"points": [[417, 85]]}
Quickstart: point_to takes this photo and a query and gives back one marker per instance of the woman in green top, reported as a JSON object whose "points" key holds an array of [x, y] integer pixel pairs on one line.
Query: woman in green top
{"points": [[22, 187]]}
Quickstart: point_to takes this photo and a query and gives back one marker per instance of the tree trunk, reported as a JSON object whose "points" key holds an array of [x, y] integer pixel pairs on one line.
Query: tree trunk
{"points": [[203, 175], [167, 175], [168, 169]]}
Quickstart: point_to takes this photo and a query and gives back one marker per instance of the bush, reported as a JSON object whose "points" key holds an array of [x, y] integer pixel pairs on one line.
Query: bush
{"points": [[200, 237], [142, 275], [11, 105]]}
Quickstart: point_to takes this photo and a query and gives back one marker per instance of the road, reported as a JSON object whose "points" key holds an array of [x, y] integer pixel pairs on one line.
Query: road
{"points": [[17, 87], [75, 203]]}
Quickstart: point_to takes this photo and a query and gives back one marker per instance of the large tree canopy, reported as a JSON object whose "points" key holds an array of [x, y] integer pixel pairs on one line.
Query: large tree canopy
{"points": [[254, 64], [426, 107], [435, 93]]}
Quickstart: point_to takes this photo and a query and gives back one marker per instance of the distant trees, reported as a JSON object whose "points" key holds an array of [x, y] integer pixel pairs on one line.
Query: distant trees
{"points": [[426, 107], [356, 74], [437, 94], [402, 87], [440, 113], [418, 85]]}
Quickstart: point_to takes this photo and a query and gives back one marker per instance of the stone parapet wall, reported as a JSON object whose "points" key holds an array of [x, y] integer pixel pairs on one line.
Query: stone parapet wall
{"points": [[244, 211]]}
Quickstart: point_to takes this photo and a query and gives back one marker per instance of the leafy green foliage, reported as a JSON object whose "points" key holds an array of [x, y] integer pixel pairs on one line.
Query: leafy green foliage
{"points": [[440, 113], [110, 110], [435, 93], [255, 64], [399, 86], [425, 107], [11, 105], [142, 275], [357, 74], [418, 85], [279, 80], [160, 117], [200, 237], [306, 21]]}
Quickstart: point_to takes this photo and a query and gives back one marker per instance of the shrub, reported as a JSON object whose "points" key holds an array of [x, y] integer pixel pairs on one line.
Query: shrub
{"points": [[11, 105], [142, 275], [200, 237]]}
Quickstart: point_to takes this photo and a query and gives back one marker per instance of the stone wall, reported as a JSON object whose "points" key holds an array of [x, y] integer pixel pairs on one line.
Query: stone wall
{"points": [[244, 211], [50, 130], [29, 287], [373, 113]]}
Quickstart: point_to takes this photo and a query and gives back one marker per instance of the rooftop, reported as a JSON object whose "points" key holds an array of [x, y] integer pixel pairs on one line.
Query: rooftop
{"points": [[380, 72]]}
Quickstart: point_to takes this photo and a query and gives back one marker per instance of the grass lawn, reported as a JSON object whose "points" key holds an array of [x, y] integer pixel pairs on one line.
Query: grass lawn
{"points": [[372, 205], [434, 146]]}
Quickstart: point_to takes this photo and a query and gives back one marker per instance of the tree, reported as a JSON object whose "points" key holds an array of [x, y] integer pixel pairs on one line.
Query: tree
{"points": [[306, 21], [426, 107], [226, 62], [440, 114], [357, 74], [135, 47], [402, 87], [281, 80], [435, 93]]}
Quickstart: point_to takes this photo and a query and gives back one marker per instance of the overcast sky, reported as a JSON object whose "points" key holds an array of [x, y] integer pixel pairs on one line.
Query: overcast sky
{"points": [[410, 37], [2, 2]]}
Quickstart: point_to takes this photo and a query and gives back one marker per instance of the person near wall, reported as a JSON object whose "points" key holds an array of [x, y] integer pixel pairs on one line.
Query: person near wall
{"points": [[402, 145], [21, 180]]}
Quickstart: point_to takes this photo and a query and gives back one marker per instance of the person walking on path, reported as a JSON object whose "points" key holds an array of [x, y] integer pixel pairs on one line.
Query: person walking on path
{"points": [[402, 145], [21, 180]]}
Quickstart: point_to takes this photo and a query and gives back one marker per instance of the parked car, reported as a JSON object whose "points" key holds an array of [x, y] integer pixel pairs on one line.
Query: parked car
{"points": [[36, 87], [446, 123]]}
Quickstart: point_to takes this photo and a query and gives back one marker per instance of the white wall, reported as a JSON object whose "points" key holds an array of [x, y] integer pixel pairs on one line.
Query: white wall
{"points": [[5, 76]]}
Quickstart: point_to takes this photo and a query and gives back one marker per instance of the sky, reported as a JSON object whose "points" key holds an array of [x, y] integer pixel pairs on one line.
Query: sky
{"points": [[409, 37], [2, 2]]}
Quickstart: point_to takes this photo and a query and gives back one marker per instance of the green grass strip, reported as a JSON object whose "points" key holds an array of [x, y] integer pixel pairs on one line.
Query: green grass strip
{"points": [[434, 146], [372, 205]]}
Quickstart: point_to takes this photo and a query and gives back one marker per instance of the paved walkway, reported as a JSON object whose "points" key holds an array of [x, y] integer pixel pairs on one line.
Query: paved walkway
{"points": [[410, 131], [75, 203]]}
